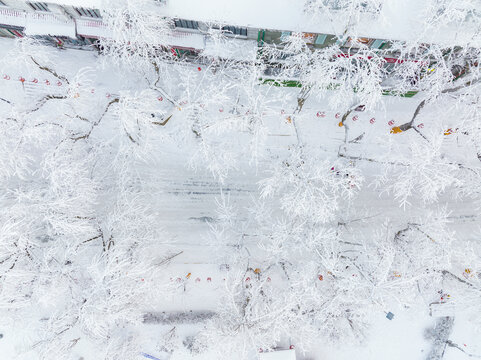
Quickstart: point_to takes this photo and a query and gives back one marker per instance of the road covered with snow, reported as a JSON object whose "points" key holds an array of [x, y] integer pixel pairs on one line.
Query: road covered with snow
{"points": [[203, 176]]}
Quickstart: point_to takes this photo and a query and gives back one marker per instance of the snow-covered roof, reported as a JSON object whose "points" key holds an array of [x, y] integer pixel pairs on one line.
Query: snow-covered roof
{"points": [[49, 24], [278, 355]]}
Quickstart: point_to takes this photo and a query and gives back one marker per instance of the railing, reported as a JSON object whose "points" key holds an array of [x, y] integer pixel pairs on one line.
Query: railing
{"points": [[49, 24], [92, 28], [12, 17], [48, 18], [186, 40]]}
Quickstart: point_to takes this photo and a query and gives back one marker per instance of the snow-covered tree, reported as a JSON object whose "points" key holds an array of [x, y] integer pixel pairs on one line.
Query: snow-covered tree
{"points": [[80, 229], [77, 229]]}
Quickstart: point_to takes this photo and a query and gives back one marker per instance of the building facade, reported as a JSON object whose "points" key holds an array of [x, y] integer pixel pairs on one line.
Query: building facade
{"points": [[82, 27], [66, 25]]}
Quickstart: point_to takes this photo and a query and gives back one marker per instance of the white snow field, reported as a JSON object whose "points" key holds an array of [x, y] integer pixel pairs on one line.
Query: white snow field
{"points": [[184, 210]]}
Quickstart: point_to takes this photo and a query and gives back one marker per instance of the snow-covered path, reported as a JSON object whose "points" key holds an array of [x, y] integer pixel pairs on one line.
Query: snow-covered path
{"points": [[185, 204]]}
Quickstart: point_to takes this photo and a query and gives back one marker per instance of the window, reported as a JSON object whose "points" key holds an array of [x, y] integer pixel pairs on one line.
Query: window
{"points": [[92, 13], [378, 44], [39, 6], [186, 24], [231, 30], [234, 30], [321, 39], [324, 40], [274, 37]]}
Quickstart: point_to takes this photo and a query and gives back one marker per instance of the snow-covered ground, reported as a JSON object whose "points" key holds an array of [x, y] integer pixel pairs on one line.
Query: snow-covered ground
{"points": [[185, 196]]}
